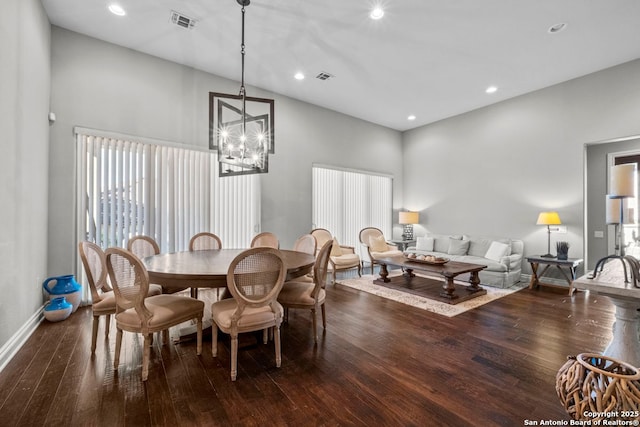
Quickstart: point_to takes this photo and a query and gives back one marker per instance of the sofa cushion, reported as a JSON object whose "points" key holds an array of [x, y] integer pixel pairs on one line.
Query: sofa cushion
{"points": [[478, 246], [441, 242], [491, 264], [424, 243], [496, 251], [378, 244], [458, 247]]}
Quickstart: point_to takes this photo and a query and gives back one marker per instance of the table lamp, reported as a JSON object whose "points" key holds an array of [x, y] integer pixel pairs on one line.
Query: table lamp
{"points": [[408, 219], [548, 218]]}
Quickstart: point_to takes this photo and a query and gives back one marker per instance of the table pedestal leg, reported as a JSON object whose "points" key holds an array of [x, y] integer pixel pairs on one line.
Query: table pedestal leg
{"points": [[474, 281], [384, 273], [408, 273], [625, 345], [448, 289]]}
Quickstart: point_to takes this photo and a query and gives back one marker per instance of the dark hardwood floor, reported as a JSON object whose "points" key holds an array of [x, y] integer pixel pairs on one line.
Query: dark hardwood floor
{"points": [[380, 363]]}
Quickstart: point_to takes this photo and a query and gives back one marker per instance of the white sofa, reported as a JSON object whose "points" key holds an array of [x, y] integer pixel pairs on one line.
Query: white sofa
{"points": [[502, 258]]}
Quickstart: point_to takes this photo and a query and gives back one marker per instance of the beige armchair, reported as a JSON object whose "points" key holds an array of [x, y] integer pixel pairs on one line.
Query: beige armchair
{"points": [[254, 278], [374, 245], [139, 313], [341, 257]]}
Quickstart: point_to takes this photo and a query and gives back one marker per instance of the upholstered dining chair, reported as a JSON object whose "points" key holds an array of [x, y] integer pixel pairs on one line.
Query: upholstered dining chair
{"points": [[374, 245], [103, 302], [254, 278], [306, 295], [265, 239], [139, 313], [205, 241], [143, 246], [342, 257]]}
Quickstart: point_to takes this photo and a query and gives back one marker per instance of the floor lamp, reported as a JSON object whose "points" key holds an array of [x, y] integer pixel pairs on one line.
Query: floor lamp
{"points": [[622, 185]]}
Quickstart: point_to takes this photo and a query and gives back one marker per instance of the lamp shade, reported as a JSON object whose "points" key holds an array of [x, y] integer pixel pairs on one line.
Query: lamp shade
{"points": [[409, 218], [623, 181], [548, 218], [613, 210]]}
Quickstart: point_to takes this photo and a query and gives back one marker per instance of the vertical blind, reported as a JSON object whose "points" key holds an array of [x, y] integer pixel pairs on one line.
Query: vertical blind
{"points": [[344, 202], [128, 186]]}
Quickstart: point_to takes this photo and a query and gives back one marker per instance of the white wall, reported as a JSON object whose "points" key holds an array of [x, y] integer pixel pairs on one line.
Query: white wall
{"points": [[103, 86], [491, 171], [25, 37]]}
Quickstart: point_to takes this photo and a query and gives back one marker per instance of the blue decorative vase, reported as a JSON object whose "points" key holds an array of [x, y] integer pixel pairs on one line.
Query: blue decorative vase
{"points": [[65, 286], [57, 309]]}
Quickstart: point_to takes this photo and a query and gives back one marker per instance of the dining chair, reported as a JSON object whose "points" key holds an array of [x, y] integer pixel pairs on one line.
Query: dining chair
{"points": [[342, 257], [139, 313], [103, 302], [202, 242], [306, 295], [254, 278], [306, 243], [144, 246], [205, 241], [265, 239], [374, 245]]}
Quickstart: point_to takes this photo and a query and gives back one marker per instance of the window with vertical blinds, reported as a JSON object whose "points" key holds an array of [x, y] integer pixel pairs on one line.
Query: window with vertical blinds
{"points": [[128, 186], [345, 201]]}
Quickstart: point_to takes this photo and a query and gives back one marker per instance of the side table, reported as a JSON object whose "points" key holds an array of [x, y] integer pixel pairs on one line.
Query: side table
{"points": [[403, 244], [571, 264]]}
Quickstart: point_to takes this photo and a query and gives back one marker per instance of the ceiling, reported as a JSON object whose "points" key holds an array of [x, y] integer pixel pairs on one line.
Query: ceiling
{"points": [[428, 58]]}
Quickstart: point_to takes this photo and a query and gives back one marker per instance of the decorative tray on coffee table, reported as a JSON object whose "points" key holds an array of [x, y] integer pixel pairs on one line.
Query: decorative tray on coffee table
{"points": [[434, 261]]}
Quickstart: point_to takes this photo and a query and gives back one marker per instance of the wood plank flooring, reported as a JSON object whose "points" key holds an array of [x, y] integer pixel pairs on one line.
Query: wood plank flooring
{"points": [[380, 363]]}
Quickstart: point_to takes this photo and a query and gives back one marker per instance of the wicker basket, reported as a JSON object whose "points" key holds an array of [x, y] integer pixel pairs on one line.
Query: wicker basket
{"points": [[596, 387]]}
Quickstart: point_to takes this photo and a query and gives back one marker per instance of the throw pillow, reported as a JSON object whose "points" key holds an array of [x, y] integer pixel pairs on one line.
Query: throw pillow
{"points": [[458, 247], [378, 244], [424, 243], [335, 249], [496, 251]]}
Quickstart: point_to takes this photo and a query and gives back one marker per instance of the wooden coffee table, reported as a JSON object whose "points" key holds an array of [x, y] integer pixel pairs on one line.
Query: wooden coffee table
{"points": [[448, 292]]}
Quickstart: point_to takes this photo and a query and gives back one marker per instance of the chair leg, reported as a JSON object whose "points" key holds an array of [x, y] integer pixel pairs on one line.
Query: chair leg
{"points": [[360, 270], [265, 335], [276, 339], [165, 337], [199, 335], [372, 266], [116, 359], [94, 333], [333, 276], [107, 326], [234, 357], [146, 355], [324, 317], [214, 339], [315, 326]]}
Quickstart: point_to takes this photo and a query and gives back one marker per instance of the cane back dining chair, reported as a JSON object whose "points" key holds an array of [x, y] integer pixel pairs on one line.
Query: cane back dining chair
{"points": [[342, 257], [139, 313], [143, 246], [205, 241], [374, 245], [103, 301], [306, 243], [309, 295], [265, 239], [254, 278]]}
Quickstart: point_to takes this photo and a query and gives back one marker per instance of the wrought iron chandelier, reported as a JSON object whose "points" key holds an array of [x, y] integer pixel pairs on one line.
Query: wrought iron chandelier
{"points": [[241, 127]]}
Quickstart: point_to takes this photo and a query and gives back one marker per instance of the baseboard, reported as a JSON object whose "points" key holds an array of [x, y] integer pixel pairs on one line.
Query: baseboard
{"points": [[18, 339]]}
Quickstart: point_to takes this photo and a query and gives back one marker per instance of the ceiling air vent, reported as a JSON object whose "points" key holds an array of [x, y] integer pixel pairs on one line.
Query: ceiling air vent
{"points": [[324, 76], [182, 20]]}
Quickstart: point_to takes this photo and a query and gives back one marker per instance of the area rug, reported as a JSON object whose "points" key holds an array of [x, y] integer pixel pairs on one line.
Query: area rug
{"points": [[365, 283]]}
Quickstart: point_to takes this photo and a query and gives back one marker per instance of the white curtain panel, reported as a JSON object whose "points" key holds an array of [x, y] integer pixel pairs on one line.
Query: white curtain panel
{"points": [[130, 185], [346, 201]]}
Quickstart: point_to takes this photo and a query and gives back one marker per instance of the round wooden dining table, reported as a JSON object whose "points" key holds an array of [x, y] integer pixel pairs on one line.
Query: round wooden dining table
{"points": [[208, 268]]}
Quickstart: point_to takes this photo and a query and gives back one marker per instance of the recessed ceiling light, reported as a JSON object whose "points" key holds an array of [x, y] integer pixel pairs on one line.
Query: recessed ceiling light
{"points": [[299, 76], [491, 89], [376, 13], [411, 117], [116, 9], [557, 28]]}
